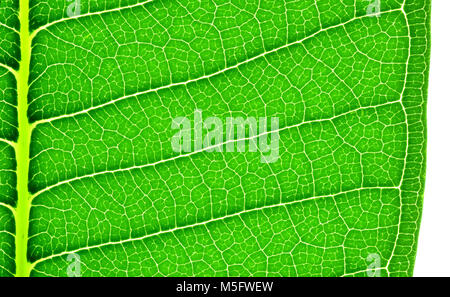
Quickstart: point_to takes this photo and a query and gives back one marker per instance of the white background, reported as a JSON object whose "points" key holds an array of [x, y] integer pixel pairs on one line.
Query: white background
{"points": [[433, 256]]}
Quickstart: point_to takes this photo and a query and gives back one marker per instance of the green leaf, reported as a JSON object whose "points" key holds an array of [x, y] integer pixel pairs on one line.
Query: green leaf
{"points": [[90, 183]]}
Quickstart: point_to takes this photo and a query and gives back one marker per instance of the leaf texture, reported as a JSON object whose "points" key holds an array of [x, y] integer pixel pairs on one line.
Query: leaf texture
{"points": [[87, 167]]}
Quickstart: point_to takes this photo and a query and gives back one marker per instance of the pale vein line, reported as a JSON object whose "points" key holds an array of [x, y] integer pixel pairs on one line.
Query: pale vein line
{"points": [[8, 207], [35, 32], [7, 269], [205, 76], [205, 223], [10, 234], [8, 27], [8, 142], [205, 149], [10, 69], [407, 134], [365, 270]]}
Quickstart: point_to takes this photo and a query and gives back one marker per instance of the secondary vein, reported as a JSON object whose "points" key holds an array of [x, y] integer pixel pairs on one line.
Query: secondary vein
{"points": [[207, 76], [68, 181], [237, 214]]}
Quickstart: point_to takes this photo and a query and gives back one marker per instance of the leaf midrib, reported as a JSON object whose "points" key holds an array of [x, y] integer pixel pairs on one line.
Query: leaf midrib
{"points": [[23, 145]]}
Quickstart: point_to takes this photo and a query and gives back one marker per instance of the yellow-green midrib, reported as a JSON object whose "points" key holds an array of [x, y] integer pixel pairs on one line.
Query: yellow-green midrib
{"points": [[23, 145]]}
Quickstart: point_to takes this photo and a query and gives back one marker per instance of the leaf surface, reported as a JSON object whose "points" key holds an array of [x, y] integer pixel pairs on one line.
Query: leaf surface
{"points": [[87, 166]]}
